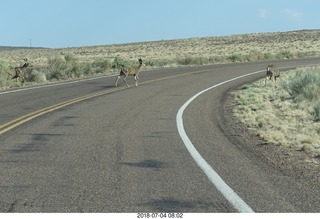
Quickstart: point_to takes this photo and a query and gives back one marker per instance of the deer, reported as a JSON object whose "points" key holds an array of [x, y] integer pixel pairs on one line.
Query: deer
{"points": [[272, 74], [19, 71], [133, 71]]}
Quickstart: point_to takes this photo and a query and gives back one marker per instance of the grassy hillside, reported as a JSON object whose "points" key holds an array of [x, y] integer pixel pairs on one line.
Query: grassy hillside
{"points": [[210, 49], [10, 48], [65, 63]]}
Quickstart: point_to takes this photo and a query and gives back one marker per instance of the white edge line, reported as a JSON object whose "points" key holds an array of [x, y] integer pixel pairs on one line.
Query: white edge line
{"points": [[213, 176]]}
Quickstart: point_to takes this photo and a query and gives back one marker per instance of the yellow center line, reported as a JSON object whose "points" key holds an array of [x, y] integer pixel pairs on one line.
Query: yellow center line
{"points": [[25, 118]]}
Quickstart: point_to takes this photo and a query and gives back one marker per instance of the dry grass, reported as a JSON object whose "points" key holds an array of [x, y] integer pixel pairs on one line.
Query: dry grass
{"points": [[279, 115], [88, 61], [247, 47]]}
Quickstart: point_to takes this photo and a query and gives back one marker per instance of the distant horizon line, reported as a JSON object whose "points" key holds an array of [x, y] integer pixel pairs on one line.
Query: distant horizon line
{"points": [[4, 48]]}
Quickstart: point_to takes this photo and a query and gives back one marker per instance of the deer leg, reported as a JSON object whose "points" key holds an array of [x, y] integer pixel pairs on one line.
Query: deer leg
{"points": [[268, 77], [136, 78], [124, 79], [117, 81]]}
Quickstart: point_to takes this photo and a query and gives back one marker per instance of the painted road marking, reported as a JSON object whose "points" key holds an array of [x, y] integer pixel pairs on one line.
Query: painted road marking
{"points": [[25, 118], [213, 176]]}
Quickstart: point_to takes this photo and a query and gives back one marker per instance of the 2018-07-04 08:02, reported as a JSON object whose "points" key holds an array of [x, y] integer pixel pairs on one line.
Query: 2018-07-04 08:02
{"points": [[159, 215]]}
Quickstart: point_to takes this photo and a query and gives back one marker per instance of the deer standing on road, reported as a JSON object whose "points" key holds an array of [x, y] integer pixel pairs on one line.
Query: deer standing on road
{"points": [[133, 71]]}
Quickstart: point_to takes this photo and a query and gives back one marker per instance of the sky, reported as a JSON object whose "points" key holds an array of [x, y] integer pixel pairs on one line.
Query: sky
{"points": [[75, 23]]}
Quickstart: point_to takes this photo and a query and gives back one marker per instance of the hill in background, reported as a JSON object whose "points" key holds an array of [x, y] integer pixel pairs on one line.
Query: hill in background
{"points": [[193, 51], [10, 48]]}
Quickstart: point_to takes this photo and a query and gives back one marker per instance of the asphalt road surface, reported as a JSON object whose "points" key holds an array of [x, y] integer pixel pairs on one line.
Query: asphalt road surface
{"points": [[87, 146]]}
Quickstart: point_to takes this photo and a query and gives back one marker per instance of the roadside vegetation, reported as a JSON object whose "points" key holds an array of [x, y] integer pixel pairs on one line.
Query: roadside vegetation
{"points": [[288, 115], [60, 67], [70, 63]]}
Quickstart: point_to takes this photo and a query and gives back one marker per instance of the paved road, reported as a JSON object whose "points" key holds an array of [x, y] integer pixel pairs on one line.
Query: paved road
{"points": [[118, 150]]}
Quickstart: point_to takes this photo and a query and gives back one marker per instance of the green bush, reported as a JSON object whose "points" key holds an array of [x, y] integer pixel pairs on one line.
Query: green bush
{"points": [[236, 58], [76, 69], [184, 61], [5, 78], [304, 85], [316, 112], [268, 56], [3, 73], [101, 65], [119, 63], [200, 61], [285, 55], [157, 62], [65, 67], [192, 60], [37, 76], [56, 68]]}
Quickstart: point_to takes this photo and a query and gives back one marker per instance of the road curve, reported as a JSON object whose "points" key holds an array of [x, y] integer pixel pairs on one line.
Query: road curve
{"points": [[119, 150]]}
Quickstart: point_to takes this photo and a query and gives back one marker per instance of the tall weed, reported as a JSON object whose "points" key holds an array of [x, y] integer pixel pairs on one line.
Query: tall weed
{"points": [[56, 68]]}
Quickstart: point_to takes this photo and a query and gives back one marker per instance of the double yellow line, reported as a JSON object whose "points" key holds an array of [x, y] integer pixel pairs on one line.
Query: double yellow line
{"points": [[23, 119]]}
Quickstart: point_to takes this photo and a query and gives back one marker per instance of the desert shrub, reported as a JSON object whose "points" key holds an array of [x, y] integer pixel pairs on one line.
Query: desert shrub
{"points": [[189, 60], [65, 67], [217, 59], [285, 55], [157, 62], [268, 56], [87, 68], [37, 76], [200, 61], [316, 112], [74, 68], [3, 73], [56, 68], [119, 63], [70, 57], [304, 86], [184, 61], [101, 65], [236, 58], [254, 56]]}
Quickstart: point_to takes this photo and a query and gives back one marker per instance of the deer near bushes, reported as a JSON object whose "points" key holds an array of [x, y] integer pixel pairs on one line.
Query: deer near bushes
{"points": [[19, 71], [272, 74], [133, 71]]}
